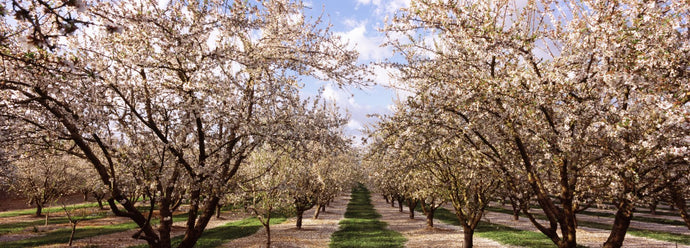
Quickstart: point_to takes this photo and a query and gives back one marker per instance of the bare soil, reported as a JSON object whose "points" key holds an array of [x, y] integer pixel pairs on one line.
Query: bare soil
{"points": [[314, 232], [418, 234]]}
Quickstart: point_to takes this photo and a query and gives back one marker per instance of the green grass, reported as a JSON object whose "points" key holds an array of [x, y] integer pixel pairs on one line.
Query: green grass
{"points": [[500, 233], [658, 235], [638, 218], [46, 210], [361, 227], [6, 228], [659, 212], [215, 237], [62, 235]]}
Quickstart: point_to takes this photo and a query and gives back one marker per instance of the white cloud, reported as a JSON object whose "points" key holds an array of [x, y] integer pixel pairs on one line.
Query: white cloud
{"points": [[367, 46], [354, 124], [385, 7], [331, 94]]}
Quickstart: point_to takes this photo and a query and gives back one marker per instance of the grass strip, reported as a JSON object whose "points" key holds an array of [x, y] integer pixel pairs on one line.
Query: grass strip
{"points": [[658, 235], [215, 237], [612, 215], [637, 218], [47, 210], [361, 227], [62, 235], [20, 226], [15, 227], [500, 233], [659, 212]]}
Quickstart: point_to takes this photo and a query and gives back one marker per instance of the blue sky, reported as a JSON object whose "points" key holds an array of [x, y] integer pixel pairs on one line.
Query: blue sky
{"points": [[358, 22]]}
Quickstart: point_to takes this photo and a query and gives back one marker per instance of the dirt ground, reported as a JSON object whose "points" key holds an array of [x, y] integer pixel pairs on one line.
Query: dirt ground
{"points": [[314, 233], [416, 232]]}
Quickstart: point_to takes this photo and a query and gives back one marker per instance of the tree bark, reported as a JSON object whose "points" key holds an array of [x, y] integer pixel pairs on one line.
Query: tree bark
{"points": [[652, 207], [267, 225], [218, 211], [467, 241], [299, 219], [429, 213], [100, 203], [411, 204], [193, 232], [318, 211], [71, 236], [429, 218], [39, 210], [400, 205], [165, 222], [678, 201], [620, 225], [516, 209]]}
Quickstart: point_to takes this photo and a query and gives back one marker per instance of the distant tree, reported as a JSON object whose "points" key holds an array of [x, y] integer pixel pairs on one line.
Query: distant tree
{"points": [[42, 178]]}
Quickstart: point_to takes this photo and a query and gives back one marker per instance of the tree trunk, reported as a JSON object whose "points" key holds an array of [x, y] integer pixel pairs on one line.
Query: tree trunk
{"points": [[678, 200], [400, 205], [393, 203], [39, 210], [100, 203], [299, 219], [165, 222], [467, 241], [317, 211], [323, 207], [194, 231], [568, 226], [411, 204], [74, 230], [386, 198], [267, 225], [218, 211], [516, 209], [652, 207], [620, 224], [429, 217]]}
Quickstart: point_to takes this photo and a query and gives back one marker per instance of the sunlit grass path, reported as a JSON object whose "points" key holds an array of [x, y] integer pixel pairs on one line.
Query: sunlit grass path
{"points": [[61, 236], [215, 237], [361, 227], [499, 233], [58, 209], [652, 234]]}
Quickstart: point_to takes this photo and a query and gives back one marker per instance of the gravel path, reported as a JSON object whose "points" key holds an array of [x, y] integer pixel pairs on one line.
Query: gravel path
{"points": [[416, 232]]}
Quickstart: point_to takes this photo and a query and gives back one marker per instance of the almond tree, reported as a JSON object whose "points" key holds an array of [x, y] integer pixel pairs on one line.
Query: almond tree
{"points": [[42, 178], [444, 162], [261, 186], [572, 96], [167, 100]]}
